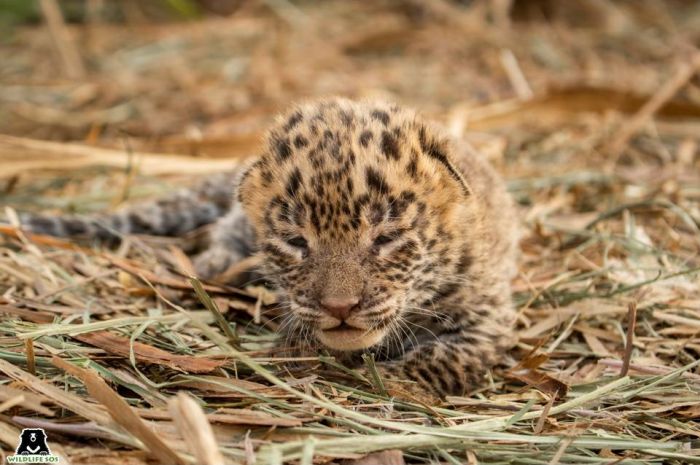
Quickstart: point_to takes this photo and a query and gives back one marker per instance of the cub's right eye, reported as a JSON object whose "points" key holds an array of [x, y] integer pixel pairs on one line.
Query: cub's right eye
{"points": [[298, 242]]}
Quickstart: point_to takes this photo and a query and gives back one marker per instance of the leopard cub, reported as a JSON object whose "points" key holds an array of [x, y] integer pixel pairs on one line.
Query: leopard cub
{"points": [[385, 239], [379, 235]]}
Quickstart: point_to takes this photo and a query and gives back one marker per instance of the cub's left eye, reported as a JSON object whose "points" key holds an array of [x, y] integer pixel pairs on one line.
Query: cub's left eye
{"points": [[383, 240]]}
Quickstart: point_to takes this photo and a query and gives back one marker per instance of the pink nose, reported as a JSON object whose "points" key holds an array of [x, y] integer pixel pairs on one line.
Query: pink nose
{"points": [[339, 307]]}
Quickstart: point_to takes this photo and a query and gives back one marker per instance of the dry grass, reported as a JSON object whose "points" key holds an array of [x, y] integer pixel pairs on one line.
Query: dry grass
{"points": [[593, 115]]}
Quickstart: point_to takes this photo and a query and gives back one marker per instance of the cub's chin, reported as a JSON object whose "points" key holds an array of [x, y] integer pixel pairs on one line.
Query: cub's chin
{"points": [[349, 338]]}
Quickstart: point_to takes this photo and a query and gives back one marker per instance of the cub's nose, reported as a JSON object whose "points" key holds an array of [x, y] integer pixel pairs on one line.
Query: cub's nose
{"points": [[339, 307]]}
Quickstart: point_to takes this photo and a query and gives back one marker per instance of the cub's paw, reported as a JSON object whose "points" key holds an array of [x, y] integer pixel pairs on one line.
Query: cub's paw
{"points": [[213, 262]]}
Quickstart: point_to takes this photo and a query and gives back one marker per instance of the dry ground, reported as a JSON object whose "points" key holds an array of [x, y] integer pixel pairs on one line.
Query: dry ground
{"points": [[592, 112]]}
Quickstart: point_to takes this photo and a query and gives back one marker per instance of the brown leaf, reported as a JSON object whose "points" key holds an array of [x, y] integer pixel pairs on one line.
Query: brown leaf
{"points": [[27, 314], [527, 372], [41, 239], [534, 361], [542, 381], [118, 345]]}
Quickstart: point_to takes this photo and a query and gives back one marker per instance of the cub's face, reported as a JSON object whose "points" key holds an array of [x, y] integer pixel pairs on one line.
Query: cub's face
{"points": [[354, 219]]}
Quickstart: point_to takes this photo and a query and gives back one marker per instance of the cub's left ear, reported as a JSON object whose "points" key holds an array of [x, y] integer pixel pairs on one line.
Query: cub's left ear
{"points": [[438, 148]]}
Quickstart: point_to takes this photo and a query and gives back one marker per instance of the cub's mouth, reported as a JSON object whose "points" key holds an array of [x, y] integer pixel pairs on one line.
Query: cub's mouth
{"points": [[347, 337]]}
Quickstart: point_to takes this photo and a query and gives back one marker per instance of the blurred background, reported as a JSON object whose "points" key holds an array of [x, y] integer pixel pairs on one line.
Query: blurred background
{"points": [[522, 80]]}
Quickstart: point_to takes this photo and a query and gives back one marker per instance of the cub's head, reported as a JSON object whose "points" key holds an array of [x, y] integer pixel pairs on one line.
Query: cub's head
{"points": [[356, 208]]}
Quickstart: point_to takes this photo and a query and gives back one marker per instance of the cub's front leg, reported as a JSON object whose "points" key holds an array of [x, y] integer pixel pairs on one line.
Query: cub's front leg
{"points": [[232, 239], [454, 362]]}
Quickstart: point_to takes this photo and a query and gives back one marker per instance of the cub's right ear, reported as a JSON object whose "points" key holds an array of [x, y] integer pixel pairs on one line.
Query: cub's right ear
{"points": [[246, 181], [250, 187]]}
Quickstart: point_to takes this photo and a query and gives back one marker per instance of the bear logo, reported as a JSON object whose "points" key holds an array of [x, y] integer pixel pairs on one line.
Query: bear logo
{"points": [[33, 442]]}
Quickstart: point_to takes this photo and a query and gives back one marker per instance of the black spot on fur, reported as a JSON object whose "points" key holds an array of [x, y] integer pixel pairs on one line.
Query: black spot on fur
{"points": [[454, 377], [299, 215], [315, 220], [346, 117], [442, 381], [398, 206], [375, 181], [43, 225], [283, 216], [407, 250], [282, 148], [139, 224], [75, 227], [293, 121], [447, 290], [412, 167], [376, 213], [266, 177], [382, 116], [300, 142], [390, 146], [276, 201], [294, 182], [335, 150], [407, 196], [425, 375], [362, 200], [365, 137], [465, 262]]}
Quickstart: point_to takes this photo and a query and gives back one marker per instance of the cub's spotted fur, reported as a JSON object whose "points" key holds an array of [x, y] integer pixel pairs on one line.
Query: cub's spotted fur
{"points": [[378, 234]]}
